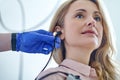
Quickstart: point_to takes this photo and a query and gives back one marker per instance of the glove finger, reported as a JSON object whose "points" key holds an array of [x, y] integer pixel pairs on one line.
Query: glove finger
{"points": [[31, 48], [47, 49], [57, 42], [44, 32], [42, 48], [51, 40], [46, 38]]}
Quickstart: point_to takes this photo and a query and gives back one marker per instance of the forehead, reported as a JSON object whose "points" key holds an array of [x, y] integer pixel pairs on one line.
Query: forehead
{"points": [[84, 4]]}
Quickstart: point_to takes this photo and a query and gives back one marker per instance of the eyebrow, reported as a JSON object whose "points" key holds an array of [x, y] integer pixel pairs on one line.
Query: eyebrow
{"points": [[97, 12], [83, 10]]}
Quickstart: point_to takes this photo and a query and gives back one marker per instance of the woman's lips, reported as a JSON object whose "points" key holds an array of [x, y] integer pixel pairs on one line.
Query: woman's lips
{"points": [[89, 32]]}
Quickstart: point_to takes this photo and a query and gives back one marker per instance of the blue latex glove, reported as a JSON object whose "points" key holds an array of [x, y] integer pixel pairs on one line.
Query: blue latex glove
{"points": [[40, 41]]}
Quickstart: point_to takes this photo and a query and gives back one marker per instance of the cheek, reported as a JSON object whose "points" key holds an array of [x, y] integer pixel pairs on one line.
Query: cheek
{"points": [[70, 34], [100, 30]]}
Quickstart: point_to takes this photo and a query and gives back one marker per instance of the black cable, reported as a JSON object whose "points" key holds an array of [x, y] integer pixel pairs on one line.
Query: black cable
{"points": [[52, 74], [47, 62], [56, 35], [69, 76]]}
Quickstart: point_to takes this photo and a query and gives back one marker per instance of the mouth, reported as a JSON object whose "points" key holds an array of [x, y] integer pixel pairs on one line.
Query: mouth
{"points": [[89, 32]]}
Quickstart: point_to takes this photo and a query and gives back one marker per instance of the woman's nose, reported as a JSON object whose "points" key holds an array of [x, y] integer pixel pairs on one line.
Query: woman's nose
{"points": [[91, 22]]}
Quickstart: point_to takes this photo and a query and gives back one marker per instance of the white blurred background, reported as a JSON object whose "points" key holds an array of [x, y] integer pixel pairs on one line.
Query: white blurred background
{"points": [[28, 15]]}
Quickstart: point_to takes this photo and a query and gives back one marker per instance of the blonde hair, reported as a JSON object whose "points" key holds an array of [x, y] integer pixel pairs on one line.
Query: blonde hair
{"points": [[100, 58]]}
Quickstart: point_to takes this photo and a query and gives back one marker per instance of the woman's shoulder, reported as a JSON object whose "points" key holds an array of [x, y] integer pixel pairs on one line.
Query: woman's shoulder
{"points": [[51, 74]]}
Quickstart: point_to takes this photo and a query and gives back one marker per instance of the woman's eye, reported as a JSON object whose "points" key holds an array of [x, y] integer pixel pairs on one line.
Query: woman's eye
{"points": [[97, 18], [79, 16]]}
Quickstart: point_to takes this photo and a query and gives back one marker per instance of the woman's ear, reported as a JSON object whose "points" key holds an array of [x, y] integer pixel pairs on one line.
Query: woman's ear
{"points": [[59, 28]]}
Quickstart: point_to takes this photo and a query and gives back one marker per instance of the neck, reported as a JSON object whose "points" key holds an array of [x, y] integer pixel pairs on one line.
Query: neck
{"points": [[81, 55]]}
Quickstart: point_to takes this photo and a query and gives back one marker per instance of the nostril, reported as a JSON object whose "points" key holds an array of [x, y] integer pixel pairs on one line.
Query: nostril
{"points": [[89, 24]]}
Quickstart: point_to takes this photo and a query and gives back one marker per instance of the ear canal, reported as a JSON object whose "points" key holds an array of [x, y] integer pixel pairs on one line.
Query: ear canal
{"points": [[58, 33]]}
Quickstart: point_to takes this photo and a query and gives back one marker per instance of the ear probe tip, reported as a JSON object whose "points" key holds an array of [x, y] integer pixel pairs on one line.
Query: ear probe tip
{"points": [[57, 33]]}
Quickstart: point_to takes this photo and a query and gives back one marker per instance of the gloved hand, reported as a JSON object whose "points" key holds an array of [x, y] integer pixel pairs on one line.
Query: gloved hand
{"points": [[40, 41]]}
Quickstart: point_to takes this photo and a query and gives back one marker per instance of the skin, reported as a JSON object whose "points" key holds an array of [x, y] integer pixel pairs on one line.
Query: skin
{"points": [[5, 42], [82, 31]]}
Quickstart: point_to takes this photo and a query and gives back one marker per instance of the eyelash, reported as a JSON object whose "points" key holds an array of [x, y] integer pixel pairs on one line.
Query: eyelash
{"points": [[79, 16], [96, 18]]}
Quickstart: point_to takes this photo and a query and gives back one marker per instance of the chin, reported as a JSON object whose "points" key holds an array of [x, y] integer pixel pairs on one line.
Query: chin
{"points": [[91, 44]]}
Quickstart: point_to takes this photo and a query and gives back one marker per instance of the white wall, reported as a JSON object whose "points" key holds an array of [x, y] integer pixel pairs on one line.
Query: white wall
{"points": [[113, 8], [35, 11]]}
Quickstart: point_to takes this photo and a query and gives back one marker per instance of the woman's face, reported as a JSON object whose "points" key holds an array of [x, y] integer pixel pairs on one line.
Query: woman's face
{"points": [[83, 25]]}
